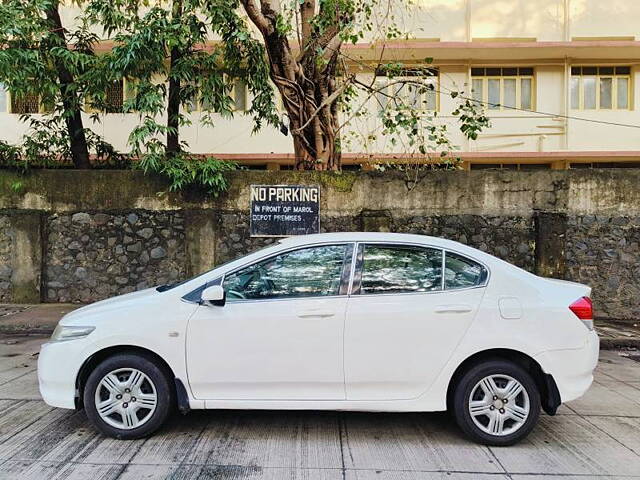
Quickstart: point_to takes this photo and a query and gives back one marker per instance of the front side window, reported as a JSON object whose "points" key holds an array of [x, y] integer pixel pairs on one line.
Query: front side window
{"points": [[308, 272], [604, 88], [400, 269], [461, 272], [503, 88]]}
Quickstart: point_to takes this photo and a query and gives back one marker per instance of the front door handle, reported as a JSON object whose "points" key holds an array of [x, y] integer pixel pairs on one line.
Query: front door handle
{"points": [[453, 309]]}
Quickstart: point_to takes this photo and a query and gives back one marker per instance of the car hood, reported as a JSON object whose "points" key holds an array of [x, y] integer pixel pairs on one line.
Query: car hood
{"points": [[111, 304]]}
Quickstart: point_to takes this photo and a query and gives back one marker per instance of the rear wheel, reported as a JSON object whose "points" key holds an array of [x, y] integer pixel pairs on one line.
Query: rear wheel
{"points": [[496, 403], [128, 396]]}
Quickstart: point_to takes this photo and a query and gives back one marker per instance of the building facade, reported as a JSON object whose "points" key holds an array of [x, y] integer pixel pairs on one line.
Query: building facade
{"points": [[558, 79]]}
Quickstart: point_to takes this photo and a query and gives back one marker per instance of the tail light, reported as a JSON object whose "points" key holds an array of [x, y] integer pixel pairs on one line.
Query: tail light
{"points": [[583, 309]]}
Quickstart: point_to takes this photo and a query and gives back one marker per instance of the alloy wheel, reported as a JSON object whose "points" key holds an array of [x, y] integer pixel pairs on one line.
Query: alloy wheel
{"points": [[499, 405], [126, 398]]}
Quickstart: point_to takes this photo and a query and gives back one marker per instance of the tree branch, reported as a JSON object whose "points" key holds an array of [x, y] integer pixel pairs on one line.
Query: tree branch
{"points": [[328, 101], [307, 11], [256, 16]]}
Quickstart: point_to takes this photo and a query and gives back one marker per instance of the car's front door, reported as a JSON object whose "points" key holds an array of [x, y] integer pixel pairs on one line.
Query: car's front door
{"points": [[279, 336], [404, 320]]}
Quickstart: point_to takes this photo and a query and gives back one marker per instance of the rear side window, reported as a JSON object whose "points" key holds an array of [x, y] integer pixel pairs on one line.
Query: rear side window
{"points": [[461, 272], [400, 269]]}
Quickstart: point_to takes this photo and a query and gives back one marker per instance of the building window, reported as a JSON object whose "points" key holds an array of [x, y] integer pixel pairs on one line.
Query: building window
{"points": [[600, 88], [503, 88], [410, 88], [238, 94], [114, 97], [3, 98], [25, 104]]}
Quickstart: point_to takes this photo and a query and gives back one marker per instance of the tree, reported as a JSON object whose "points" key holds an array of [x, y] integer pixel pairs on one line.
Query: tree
{"points": [[304, 40], [162, 46], [40, 57]]}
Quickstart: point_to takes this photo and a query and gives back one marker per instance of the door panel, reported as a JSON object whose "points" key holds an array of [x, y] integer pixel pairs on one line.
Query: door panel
{"points": [[263, 350], [396, 345], [280, 334], [401, 325]]}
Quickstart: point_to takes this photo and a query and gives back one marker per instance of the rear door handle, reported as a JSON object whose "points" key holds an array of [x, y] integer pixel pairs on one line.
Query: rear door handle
{"points": [[315, 314], [453, 309]]}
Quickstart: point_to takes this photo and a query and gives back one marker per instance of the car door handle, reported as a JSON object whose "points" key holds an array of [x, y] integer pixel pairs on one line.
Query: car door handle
{"points": [[316, 314], [453, 309]]}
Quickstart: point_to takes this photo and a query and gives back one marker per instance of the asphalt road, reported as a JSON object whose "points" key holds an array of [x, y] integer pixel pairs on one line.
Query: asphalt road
{"points": [[597, 436]]}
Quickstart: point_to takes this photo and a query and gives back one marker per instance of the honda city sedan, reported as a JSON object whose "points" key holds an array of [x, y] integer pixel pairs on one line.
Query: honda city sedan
{"points": [[340, 321]]}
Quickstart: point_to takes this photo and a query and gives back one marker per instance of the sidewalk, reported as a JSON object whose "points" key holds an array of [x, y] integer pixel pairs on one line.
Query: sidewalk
{"points": [[42, 318], [25, 319]]}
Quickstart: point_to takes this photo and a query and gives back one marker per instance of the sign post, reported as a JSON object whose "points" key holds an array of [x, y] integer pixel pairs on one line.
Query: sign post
{"points": [[284, 210]]}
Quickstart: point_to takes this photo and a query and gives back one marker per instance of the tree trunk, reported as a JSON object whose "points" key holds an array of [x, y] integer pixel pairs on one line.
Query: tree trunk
{"points": [[304, 88], [72, 111], [173, 108], [173, 104], [306, 82]]}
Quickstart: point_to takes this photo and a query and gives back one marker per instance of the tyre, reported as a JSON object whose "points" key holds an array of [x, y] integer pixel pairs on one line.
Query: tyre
{"points": [[128, 396], [496, 403]]}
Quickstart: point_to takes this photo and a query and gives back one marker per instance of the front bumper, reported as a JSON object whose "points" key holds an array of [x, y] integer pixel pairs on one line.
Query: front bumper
{"points": [[58, 367], [572, 369]]}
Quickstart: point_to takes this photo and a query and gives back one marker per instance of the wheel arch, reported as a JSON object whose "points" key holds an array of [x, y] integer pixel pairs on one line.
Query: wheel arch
{"points": [[97, 357], [549, 394]]}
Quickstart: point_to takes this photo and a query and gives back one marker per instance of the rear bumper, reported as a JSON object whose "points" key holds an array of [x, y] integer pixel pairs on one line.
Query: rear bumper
{"points": [[572, 369]]}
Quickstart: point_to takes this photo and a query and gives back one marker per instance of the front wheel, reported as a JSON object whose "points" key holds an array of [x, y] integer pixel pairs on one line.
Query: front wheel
{"points": [[496, 403], [128, 396]]}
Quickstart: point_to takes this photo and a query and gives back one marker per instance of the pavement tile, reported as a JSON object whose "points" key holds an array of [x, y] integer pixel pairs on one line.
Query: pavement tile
{"points": [[618, 367], [20, 416], [624, 430], [22, 387], [269, 439], [570, 445], [411, 442], [255, 473], [572, 477], [385, 475], [171, 444], [24, 470], [609, 398]]}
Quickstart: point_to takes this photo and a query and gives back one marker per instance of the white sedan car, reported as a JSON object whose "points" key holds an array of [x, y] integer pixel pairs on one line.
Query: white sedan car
{"points": [[341, 321]]}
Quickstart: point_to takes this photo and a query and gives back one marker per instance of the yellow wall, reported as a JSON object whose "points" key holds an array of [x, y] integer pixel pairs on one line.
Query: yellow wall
{"points": [[483, 23]]}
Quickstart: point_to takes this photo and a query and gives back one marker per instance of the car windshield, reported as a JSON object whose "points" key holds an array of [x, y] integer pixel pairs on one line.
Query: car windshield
{"points": [[171, 286]]}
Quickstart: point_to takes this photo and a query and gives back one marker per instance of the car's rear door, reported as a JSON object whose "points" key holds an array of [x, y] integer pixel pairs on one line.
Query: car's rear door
{"points": [[279, 336], [404, 320]]}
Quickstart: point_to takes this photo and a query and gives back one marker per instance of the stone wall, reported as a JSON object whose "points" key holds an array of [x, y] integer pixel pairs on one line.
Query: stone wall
{"points": [[99, 255], [81, 236], [6, 250]]}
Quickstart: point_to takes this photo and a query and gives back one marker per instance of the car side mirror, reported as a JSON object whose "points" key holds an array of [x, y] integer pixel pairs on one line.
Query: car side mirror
{"points": [[215, 295]]}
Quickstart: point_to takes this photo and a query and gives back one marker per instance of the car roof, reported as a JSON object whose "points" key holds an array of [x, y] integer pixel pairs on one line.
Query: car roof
{"points": [[369, 237]]}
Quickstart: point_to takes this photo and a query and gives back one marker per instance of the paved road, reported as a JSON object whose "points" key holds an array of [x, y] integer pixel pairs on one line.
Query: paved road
{"points": [[595, 437]]}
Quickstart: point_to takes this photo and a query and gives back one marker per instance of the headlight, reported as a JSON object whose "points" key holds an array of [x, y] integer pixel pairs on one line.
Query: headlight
{"points": [[62, 333]]}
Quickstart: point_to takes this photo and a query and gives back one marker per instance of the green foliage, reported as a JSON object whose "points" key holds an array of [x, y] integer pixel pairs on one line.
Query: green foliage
{"points": [[188, 171]]}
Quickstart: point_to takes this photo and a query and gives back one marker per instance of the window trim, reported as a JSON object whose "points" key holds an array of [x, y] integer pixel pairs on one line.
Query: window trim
{"points": [[42, 109], [354, 288], [382, 80], [598, 77], [342, 289], [501, 78], [198, 103]]}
